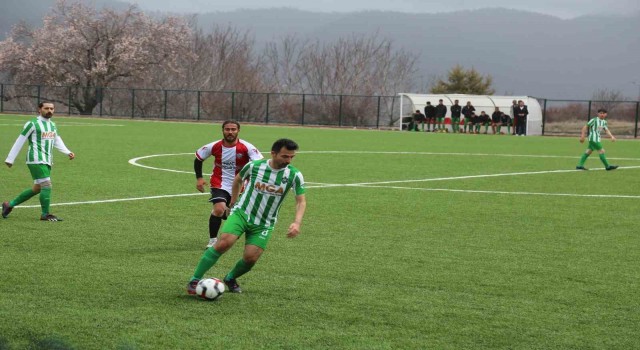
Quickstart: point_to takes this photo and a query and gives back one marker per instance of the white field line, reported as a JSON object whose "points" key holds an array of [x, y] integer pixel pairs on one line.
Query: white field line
{"points": [[118, 200], [458, 154], [67, 124], [134, 161], [470, 177], [504, 192], [379, 184]]}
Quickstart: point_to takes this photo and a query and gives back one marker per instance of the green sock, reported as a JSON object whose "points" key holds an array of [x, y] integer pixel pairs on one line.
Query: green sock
{"points": [[45, 200], [509, 129], [603, 158], [208, 259], [499, 127], [583, 159], [240, 269], [22, 197], [486, 129]]}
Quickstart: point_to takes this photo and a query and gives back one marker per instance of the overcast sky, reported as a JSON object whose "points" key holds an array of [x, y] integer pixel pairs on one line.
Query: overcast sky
{"points": [[559, 8]]}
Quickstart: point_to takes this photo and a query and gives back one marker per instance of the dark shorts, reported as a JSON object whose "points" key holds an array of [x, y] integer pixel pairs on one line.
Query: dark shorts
{"points": [[219, 195]]}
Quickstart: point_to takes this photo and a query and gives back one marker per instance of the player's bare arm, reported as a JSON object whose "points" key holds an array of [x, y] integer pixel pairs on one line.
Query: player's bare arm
{"points": [[235, 189], [583, 133], [301, 206]]}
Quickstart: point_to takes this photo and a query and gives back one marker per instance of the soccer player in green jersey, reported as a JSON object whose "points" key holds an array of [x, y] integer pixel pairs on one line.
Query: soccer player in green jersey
{"points": [[268, 181], [595, 127], [42, 135]]}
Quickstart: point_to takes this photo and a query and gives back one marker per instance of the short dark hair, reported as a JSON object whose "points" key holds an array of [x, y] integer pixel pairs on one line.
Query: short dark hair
{"points": [[286, 143], [602, 110], [41, 104], [230, 122]]}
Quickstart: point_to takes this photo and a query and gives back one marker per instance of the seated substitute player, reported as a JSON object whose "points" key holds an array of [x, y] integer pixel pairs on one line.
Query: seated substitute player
{"points": [[596, 126], [473, 121], [417, 118], [505, 121], [230, 155], [496, 121], [256, 213], [42, 135], [485, 120]]}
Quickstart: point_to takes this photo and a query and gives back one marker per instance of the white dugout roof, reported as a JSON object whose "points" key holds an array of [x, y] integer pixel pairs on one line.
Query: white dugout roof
{"points": [[409, 103]]}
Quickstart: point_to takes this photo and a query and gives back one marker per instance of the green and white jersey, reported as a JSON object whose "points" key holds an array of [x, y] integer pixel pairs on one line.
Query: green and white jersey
{"points": [[42, 136], [596, 126], [266, 190]]}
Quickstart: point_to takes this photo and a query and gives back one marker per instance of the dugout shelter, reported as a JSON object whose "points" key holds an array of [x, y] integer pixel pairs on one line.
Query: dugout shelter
{"points": [[409, 103]]}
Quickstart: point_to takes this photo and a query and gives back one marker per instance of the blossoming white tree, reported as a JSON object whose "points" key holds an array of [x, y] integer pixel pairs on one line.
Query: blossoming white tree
{"points": [[91, 49]]}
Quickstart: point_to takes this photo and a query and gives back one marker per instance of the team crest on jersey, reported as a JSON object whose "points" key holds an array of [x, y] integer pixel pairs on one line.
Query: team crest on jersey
{"points": [[239, 155]]}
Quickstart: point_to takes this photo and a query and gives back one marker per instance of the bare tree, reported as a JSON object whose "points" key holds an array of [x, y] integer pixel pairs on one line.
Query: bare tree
{"points": [[363, 65], [608, 99]]}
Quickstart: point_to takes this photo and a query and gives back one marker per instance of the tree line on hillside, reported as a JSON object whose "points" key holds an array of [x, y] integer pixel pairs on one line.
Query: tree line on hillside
{"points": [[88, 50]]}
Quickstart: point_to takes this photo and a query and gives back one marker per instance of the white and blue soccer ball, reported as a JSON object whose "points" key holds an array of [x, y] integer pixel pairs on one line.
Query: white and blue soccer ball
{"points": [[210, 288]]}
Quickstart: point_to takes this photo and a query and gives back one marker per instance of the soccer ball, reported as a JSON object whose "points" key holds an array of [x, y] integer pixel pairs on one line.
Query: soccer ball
{"points": [[210, 288]]}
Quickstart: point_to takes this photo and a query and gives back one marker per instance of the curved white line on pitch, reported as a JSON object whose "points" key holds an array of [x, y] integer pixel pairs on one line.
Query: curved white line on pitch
{"points": [[134, 161]]}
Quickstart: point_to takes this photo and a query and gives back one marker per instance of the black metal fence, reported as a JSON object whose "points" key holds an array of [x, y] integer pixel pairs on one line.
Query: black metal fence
{"points": [[565, 117], [274, 108], [559, 117]]}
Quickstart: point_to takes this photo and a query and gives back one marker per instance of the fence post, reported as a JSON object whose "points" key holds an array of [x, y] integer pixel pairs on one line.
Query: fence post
{"points": [[198, 98], [378, 117], [233, 103], [544, 115], [302, 118], [69, 99], [340, 112], [133, 103], [266, 121], [38, 95], [589, 110], [635, 131], [100, 95], [2, 98], [165, 105]]}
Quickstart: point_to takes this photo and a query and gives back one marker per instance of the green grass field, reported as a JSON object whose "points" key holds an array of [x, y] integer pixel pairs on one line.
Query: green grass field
{"points": [[410, 241]]}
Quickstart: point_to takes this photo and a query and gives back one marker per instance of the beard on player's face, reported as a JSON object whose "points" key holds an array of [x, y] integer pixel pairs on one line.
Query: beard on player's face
{"points": [[230, 137]]}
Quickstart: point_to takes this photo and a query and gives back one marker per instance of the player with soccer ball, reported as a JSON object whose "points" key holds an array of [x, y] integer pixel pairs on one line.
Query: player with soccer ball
{"points": [[256, 212]]}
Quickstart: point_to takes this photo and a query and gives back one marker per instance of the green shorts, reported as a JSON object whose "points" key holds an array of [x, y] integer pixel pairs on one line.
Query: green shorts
{"points": [[595, 146], [238, 225], [39, 171]]}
